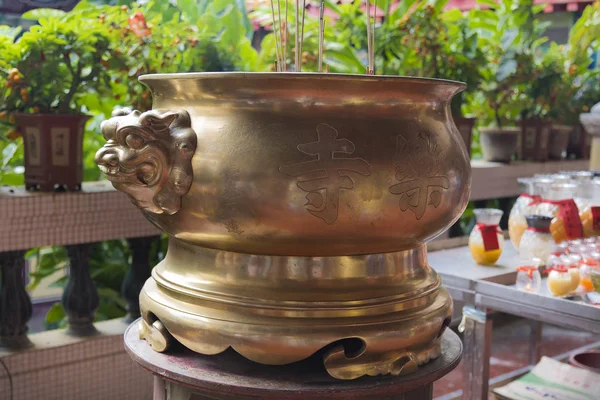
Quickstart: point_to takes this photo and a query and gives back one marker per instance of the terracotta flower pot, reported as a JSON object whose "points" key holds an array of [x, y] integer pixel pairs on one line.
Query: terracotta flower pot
{"points": [[53, 150], [499, 144], [534, 140], [465, 127], [559, 140], [579, 143], [589, 360]]}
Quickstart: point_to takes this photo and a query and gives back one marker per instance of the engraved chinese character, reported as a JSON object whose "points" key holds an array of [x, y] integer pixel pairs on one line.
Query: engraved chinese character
{"points": [[418, 171], [325, 176]]}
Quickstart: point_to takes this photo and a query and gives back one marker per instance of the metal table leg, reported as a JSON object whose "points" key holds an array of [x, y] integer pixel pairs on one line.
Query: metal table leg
{"points": [[477, 343], [535, 340]]}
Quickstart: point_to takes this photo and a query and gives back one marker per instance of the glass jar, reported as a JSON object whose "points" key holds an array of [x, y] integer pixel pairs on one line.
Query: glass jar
{"points": [[588, 263], [579, 175], [559, 250], [595, 278], [529, 279], [559, 281], [537, 242], [590, 210], [524, 205], [572, 264], [486, 240], [559, 203]]}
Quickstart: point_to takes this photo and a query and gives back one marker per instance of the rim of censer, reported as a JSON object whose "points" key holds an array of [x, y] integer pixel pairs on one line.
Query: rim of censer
{"points": [[300, 75]]}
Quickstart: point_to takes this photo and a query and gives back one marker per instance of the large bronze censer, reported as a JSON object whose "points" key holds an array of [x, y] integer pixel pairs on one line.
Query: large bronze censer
{"points": [[297, 207]]}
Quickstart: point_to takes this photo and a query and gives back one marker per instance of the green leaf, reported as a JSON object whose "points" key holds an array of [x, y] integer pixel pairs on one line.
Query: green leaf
{"points": [[344, 61], [403, 9], [32, 253], [55, 314], [9, 31], [507, 67], [439, 5], [451, 16], [110, 294], [39, 13]]}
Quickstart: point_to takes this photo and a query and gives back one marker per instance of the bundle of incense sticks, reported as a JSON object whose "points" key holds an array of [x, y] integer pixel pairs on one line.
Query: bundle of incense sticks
{"points": [[280, 29]]}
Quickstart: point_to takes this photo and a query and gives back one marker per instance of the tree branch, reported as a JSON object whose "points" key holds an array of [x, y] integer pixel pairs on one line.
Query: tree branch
{"points": [[66, 103]]}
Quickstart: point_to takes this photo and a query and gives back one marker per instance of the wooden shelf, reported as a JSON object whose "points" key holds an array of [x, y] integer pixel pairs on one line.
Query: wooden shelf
{"points": [[99, 212], [497, 180]]}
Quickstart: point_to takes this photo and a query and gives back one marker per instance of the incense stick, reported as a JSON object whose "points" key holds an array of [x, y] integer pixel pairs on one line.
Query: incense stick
{"points": [[287, 3], [275, 35], [297, 58], [373, 39], [321, 35], [368, 12], [302, 34], [282, 60]]}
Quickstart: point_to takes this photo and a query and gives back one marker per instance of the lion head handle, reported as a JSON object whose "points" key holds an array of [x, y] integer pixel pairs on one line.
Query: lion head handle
{"points": [[148, 156]]}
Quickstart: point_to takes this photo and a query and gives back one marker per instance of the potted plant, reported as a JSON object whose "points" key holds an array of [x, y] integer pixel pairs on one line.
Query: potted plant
{"points": [[445, 45], [540, 113], [580, 86], [512, 35], [586, 95], [466, 62], [44, 75], [154, 37]]}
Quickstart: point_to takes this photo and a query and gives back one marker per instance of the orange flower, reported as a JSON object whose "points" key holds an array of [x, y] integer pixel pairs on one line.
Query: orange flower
{"points": [[36, 110], [13, 134], [193, 41], [3, 115], [138, 25], [573, 70]]}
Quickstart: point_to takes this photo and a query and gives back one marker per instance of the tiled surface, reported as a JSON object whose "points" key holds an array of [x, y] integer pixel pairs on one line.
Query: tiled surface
{"points": [[94, 369], [97, 213], [95, 366], [510, 349]]}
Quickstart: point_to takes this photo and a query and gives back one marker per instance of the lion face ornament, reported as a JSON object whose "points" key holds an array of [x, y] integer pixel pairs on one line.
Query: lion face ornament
{"points": [[148, 156]]}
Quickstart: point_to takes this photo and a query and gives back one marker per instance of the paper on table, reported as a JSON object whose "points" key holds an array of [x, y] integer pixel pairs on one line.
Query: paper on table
{"points": [[553, 380]]}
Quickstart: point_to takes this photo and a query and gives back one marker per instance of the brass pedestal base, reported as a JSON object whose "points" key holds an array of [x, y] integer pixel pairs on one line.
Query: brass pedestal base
{"points": [[373, 314]]}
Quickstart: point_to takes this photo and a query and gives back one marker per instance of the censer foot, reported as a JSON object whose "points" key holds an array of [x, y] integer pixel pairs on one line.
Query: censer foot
{"points": [[395, 343], [157, 336], [365, 315], [342, 363]]}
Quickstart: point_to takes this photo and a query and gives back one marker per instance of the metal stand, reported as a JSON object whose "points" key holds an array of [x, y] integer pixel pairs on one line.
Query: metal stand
{"points": [[184, 375]]}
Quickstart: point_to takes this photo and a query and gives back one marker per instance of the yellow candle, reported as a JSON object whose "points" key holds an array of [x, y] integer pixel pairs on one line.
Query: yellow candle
{"points": [[574, 273], [559, 283], [483, 257]]}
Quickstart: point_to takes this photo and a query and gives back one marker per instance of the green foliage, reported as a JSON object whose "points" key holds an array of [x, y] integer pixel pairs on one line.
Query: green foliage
{"points": [[512, 35], [89, 59], [337, 55], [441, 44], [108, 265], [50, 66]]}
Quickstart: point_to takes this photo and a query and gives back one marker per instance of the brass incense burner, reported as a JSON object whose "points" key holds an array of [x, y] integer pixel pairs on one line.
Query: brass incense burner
{"points": [[297, 207]]}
